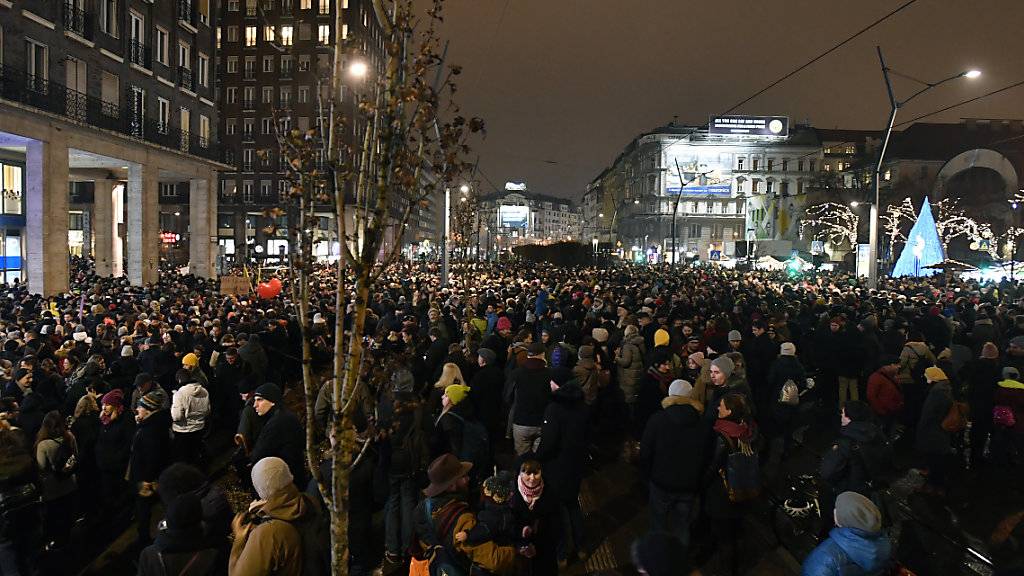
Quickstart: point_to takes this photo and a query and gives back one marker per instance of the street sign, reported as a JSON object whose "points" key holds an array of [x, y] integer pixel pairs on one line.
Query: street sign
{"points": [[817, 247], [234, 285]]}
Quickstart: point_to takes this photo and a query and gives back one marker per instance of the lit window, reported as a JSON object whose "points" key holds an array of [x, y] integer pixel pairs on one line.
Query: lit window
{"points": [[286, 35], [888, 175], [268, 34], [306, 4], [324, 35], [250, 36]]}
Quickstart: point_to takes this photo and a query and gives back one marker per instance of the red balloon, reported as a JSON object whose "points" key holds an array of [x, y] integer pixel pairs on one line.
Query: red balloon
{"points": [[276, 285], [267, 290]]}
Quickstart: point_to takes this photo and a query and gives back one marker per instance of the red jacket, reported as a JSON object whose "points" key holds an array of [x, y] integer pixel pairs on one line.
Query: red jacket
{"points": [[1011, 393], [884, 394]]}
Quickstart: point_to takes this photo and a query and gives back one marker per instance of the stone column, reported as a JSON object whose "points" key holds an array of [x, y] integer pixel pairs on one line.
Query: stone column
{"points": [[241, 249], [202, 214], [104, 227], [87, 216], [46, 215], [143, 224]]}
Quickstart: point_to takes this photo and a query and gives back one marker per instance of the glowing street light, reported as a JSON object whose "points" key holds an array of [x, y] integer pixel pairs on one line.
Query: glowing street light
{"points": [[464, 189], [972, 74], [358, 69]]}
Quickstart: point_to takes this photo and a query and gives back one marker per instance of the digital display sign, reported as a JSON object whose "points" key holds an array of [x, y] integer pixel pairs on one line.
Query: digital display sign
{"points": [[717, 190], [514, 216], [749, 126]]}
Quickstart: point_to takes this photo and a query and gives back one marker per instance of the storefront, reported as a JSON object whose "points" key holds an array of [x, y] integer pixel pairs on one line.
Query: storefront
{"points": [[12, 221]]}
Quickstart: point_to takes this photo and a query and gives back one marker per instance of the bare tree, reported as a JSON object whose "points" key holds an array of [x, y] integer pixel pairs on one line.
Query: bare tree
{"points": [[409, 142]]}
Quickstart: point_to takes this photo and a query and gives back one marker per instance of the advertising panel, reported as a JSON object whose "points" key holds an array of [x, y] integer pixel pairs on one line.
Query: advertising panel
{"points": [[717, 190], [749, 126], [514, 216]]}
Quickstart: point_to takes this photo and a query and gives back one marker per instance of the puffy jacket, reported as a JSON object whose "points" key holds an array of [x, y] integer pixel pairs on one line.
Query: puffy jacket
{"points": [[190, 408], [849, 552], [274, 545], [884, 394], [630, 361], [114, 444], [563, 441], [673, 446]]}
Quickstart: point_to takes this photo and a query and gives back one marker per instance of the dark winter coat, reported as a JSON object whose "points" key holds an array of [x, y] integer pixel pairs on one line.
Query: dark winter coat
{"points": [[630, 361], [114, 444], [487, 386], [674, 445], [760, 352], [282, 436], [563, 441], [173, 550], [151, 447], [717, 504], [531, 389], [931, 438], [784, 368], [982, 377], [843, 467], [850, 552], [841, 353], [884, 394]]}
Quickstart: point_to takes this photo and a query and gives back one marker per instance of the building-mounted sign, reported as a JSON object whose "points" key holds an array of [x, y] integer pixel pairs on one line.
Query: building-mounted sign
{"points": [[718, 190], [749, 126], [515, 186]]}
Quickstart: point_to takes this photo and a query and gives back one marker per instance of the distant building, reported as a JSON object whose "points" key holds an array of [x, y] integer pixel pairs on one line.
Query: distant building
{"points": [[518, 216]]}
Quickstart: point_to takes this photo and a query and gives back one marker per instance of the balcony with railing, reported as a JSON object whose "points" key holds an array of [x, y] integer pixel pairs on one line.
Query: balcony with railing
{"points": [[185, 79], [140, 54], [77, 20], [56, 98], [186, 12]]}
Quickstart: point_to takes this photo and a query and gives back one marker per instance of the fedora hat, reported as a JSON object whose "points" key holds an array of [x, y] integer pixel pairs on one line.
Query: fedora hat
{"points": [[443, 472]]}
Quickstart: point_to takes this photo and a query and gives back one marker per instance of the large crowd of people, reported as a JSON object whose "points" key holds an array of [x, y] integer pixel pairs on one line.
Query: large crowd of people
{"points": [[486, 398]]}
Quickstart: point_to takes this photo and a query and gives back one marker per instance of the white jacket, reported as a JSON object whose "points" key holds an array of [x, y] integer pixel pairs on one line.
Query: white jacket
{"points": [[190, 408]]}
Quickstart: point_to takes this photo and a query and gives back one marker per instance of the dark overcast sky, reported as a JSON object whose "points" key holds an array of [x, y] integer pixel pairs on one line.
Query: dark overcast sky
{"points": [[572, 81]]}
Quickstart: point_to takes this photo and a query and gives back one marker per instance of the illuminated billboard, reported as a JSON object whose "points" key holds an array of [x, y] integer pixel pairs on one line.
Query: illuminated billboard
{"points": [[513, 216], [749, 125]]}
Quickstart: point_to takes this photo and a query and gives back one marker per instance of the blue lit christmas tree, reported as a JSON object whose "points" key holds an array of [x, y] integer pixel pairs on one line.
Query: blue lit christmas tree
{"points": [[923, 247]]}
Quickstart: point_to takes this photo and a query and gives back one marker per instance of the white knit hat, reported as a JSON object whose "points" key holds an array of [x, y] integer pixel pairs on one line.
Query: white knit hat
{"points": [[270, 475]]}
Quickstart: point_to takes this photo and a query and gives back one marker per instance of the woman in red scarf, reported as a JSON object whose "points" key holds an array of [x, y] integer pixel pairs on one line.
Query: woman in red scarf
{"points": [[537, 514], [734, 428]]}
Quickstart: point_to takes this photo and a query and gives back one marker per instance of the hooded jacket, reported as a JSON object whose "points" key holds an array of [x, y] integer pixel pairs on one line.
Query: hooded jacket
{"points": [[849, 552], [274, 544], [190, 408], [630, 361], [884, 394], [931, 438], [673, 446]]}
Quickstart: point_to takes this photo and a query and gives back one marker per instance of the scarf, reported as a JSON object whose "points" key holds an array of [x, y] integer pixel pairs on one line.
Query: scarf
{"points": [[529, 493], [734, 430]]}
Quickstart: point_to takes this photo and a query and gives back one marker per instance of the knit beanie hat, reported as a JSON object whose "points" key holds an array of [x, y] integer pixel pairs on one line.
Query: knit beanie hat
{"points": [[735, 336], [697, 357], [1011, 373], [725, 364], [269, 476], [599, 334], [127, 352], [680, 388], [487, 354], [152, 400], [113, 398], [989, 350], [661, 337], [456, 393], [787, 349], [855, 511], [504, 324], [934, 374], [184, 512], [630, 330], [269, 392], [190, 360], [586, 353]]}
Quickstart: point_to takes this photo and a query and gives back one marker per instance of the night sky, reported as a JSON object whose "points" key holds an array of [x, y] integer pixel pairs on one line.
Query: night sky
{"points": [[564, 85]]}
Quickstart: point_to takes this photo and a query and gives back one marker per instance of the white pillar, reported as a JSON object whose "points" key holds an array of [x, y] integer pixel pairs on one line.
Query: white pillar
{"points": [[46, 215], [143, 224], [202, 214], [104, 227]]}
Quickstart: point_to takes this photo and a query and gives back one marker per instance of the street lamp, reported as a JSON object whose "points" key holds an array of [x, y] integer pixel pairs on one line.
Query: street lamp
{"points": [[358, 69], [464, 189], [895, 106]]}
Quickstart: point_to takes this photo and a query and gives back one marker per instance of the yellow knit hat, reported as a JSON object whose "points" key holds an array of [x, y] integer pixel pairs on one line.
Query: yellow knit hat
{"points": [[456, 392], [934, 374], [190, 360], [661, 338]]}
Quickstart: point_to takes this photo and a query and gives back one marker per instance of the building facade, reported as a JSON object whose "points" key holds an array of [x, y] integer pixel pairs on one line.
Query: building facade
{"points": [[103, 105], [276, 62], [518, 216]]}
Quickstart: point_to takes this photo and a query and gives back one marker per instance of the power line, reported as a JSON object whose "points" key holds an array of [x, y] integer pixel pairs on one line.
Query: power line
{"points": [[962, 103], [820, 56]]}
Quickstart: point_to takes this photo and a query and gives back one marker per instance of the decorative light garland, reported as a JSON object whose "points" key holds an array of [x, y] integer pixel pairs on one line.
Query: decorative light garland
{"points": [[831, 221]]}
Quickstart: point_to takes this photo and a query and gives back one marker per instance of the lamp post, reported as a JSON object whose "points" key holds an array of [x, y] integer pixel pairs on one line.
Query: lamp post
{"points": [[895, 106]]}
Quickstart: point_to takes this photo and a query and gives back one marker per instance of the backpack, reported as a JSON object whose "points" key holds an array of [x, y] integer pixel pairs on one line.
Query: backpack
{"points": [[475, 445], [922, 364], [444, 559], [742, 473], [1004, 417], [21, 507], [790, 393], [314, 531], [956, 418], [64, 461], [875, 458], [413, 444]]}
